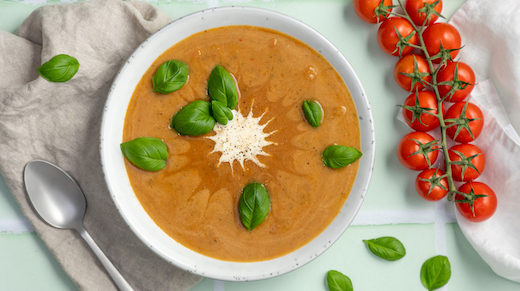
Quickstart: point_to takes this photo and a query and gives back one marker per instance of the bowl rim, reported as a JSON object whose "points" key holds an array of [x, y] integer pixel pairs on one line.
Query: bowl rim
{"points": [[112, 159]]}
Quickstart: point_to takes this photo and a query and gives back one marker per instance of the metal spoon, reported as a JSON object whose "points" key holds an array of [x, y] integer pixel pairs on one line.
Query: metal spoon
{"points": [[59, 201]]}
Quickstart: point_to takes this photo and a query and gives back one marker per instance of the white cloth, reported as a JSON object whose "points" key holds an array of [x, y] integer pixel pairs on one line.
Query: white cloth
{"points": [[60, 122], [490, 32]]}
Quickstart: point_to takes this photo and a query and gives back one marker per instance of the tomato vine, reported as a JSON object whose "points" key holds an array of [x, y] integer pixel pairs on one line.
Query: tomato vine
{"points": [[403, 34]]}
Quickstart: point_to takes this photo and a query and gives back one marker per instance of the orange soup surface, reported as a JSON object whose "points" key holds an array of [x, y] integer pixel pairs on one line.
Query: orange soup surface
{"points": [[194, 198]]}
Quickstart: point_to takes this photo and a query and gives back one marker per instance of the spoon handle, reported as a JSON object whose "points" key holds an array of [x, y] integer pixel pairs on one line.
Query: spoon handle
{"points": [[120, 281]]}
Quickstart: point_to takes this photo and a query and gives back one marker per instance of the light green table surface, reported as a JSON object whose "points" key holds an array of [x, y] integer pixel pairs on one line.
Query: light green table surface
{"points": [[391, 207]]}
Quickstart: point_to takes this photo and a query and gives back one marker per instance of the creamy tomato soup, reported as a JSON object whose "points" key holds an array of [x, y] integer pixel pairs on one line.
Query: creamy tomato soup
{"points": [[194, 198]]}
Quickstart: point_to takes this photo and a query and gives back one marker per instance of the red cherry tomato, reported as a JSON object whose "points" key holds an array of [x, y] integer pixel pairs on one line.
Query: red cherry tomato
{"points": [[366, 9], [441, 33], [429, 186], [410, 71], [473, 120], [413, 6], [462, 83], [388, 38], [415, 114], [469, 162], [417, 151], [481, 206]]}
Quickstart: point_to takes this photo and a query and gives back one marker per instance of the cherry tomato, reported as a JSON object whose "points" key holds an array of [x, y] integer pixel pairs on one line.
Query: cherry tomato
{"points": [[430, 186], [417, 151], [469, 162], [413, 6], [366, 9], [410, 71], [462, 83], [441, 33], [473, 120], [388, 38], [415, 113], [482, 204]]}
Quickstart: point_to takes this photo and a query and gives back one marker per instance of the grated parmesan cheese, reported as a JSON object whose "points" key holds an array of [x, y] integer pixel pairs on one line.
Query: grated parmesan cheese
{"points": [[243, 138]]}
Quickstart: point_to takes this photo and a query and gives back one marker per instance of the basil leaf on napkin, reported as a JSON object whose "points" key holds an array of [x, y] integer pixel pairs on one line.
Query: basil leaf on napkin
{"points": [[435, 272], [147, 153], [338, 156], [60, 68], [194, 119], [170, 77], [313, 112], [388, 248], [254, 205], [222, 87], [337, 281]]}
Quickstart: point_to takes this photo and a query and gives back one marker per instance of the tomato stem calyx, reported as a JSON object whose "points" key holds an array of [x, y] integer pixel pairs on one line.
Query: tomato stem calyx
{"points": [[425, 149], [403, 42], [435, 182], [416, 76], [383, 10], [455, 85], [470, 198], [462, 122]]}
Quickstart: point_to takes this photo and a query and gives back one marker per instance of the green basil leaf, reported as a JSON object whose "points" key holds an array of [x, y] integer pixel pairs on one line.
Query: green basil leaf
{"points": [[254, 205], [388, 248], [222, 87], [338, 156], [147, 153], [170, 77], [221, 112], [60, 68], [336, 281], [313, 112], [194, 119], [435, 272]]}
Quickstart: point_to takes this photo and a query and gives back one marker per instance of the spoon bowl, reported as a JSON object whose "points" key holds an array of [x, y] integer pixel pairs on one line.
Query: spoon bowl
{"points": [[59, 201], [55, 195]]}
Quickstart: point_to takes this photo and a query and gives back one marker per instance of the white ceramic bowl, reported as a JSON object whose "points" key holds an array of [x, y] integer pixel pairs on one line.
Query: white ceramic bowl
{"points": [[117, 178]]}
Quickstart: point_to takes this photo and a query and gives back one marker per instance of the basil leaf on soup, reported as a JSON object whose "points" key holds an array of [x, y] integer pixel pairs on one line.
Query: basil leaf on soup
{"points": [[435, 272], [222, 87], [60, 68], [147, 153], [254, 205], [336, 281], [221, 112], [338, 156], [194, 119], [170, 77], [388, 248], [313, 112]]}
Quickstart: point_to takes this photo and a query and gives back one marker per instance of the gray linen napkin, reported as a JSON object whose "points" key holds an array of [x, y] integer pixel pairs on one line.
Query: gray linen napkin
{"points": [[60, 122]]}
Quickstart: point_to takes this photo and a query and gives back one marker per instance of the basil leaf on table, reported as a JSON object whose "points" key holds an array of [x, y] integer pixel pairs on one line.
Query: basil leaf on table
{"points": [[313, 112], [254, 205], [435, 272], [388, 248], [338, 156], [222, 87], [221, 112], [60, 68], [170, 77], [194, 119], [336, 281], [147, 153]]}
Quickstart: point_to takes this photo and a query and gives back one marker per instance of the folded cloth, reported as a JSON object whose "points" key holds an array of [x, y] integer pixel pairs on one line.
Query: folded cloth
{"points": [[497, 239], [490, 32], [60, 122]]}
